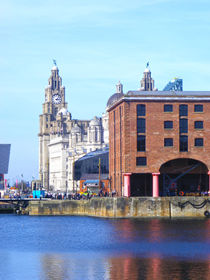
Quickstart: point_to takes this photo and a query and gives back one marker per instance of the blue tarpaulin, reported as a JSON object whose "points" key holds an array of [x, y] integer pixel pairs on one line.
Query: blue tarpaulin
{"points": [[38, 194], [91, 182]]}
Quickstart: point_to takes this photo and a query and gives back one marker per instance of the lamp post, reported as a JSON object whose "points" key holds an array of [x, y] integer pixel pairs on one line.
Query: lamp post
{"points": [[21, 190], [73, 173], [99, 173], [66, 188]]}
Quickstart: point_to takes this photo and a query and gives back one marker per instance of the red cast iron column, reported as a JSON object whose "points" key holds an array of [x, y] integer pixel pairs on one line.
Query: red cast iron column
{"points": [[155, 184]]}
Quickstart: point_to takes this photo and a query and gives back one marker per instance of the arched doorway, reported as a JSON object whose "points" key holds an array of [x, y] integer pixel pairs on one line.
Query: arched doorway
{"points": [[181, 176]]}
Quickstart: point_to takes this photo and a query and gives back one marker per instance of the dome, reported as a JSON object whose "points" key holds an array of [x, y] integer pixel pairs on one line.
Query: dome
{"points": [[55, 67], [76, 129], [95, 121], [147, 70], [63, 111], [114, 98]]}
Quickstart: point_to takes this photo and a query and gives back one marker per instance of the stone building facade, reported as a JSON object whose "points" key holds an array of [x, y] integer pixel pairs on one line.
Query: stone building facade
{"points": [[63, 140], [159, 141]]}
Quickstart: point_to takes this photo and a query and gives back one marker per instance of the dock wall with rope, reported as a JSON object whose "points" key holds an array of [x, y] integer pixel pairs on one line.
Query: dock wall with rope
{"points": [[120, 207]]}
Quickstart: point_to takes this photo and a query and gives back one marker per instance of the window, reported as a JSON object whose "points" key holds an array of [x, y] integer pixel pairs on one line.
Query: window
{"points": [[183, 143], [141, 161], [168, 108], [199, 142], [198, 108], [141, 110], [183, 125], [198, 124], [141, 125], [168, 124], [168, 142], [183, 110], [141, 143]]}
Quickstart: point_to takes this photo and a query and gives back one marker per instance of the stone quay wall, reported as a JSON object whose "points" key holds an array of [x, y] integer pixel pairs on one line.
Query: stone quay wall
{"points": [[120, 207]]}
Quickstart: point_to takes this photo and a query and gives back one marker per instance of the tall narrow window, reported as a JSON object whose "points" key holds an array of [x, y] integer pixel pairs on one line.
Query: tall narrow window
{"points": [[183, 125], [183, 110], [121, 149], [114, 151], [183, 143], [141, 125], [141, 143], [96, 135], [141, 110]]}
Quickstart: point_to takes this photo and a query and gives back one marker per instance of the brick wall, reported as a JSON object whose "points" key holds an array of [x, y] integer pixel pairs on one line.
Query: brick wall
{"points": [[123, 137]]}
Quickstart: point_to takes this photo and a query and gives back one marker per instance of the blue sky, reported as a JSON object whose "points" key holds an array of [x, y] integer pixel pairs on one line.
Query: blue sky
{"points": [[96, 44]]}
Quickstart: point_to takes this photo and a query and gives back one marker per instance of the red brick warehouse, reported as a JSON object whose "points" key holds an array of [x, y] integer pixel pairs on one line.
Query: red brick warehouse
{"points": [[159, 141]]}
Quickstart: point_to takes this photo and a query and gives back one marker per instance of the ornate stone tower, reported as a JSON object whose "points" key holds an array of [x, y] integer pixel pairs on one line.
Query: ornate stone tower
{"points": [[147, 83], [49, 123]]}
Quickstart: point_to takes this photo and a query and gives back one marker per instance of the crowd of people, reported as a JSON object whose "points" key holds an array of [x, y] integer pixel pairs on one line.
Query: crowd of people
{"points": [[79, 196]]}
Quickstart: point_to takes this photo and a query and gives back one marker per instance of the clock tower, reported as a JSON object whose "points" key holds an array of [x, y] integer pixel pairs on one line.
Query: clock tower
{"points": [[50, 122], [54, 94]]}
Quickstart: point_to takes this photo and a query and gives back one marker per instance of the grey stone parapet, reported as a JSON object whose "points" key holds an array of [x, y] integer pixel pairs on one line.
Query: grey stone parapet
{"points": [[120, 207]]}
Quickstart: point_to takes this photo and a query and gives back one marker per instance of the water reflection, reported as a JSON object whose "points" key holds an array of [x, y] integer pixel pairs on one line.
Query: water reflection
{"points": [[57, 267], [54, 267], [156, 231], [60, 248], [156, 269], [62, 267]]}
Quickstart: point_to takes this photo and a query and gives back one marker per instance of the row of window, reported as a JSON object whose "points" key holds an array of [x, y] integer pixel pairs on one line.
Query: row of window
{"points": [[183, 109], [168, 142], [183, 125], [142, 161]]}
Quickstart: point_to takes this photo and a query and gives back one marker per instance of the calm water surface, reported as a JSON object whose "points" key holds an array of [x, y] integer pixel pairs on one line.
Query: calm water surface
{"points": [[92, 248]]}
